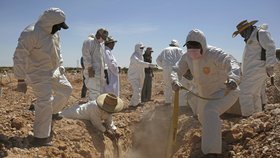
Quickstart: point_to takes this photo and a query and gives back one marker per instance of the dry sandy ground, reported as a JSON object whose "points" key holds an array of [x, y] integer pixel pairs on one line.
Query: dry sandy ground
{"points": [[144, 131]]}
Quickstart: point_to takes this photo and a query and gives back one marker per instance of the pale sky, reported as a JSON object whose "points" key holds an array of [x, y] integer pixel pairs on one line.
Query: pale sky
{"points": [[153, 22]]}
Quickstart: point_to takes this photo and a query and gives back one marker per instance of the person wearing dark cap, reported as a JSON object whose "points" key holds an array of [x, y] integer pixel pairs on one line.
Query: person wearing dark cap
{"points": [[98, 111], [38, 63], [216, 74], [258, 61], [94, 60], [147, 86], [112, 74]]}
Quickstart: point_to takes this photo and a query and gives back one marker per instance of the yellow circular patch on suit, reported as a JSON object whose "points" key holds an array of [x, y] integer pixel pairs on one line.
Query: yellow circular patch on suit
{"points": [[206, 70]]}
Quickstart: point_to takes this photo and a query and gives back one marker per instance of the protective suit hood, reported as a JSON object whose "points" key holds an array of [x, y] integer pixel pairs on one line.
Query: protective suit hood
{"points": [[49, 18], [198, 36], [138, 50]]}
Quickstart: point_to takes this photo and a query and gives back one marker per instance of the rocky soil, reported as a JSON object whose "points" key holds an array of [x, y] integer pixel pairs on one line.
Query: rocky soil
{"points": [[144, 131]]}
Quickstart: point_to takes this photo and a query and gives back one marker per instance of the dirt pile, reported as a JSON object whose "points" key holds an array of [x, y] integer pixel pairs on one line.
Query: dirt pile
{"points": [[143, 131]]}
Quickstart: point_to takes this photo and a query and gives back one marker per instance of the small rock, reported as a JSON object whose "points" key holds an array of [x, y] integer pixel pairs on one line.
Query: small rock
{"points": [[258, 115], [276, 111], [232, 153], [85, 153], [248, 132], [62, 146], [265, 149], [268, 126], [17, 123]]}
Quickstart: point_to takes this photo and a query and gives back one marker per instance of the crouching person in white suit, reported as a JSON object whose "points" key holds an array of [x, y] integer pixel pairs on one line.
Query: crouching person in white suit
{"points": [[210, 67], [98, 111]]}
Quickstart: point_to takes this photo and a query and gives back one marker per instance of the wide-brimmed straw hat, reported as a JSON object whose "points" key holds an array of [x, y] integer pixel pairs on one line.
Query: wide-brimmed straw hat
{"points": [[109, 103], [242, 26], [103, 33]]}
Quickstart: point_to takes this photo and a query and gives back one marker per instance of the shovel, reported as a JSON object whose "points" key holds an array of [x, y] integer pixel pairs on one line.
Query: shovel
{"points": [[173, 127]]}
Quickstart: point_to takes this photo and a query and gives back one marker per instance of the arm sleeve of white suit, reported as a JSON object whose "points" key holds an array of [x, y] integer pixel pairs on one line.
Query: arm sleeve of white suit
{"points": [[60, 54], [140, 62], [54, 51], [179, 54], [111, 63], [179, 69], [86, 53], [268, 44], [226, 62], [23, 49], [159, 59], [97, 122], [60, 60]]}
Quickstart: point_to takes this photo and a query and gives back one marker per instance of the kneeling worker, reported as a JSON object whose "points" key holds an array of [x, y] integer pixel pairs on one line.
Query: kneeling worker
{"points": [[98, 111]]}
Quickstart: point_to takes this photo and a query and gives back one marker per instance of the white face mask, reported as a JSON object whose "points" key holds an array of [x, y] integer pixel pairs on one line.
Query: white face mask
{"points": [[100, 40], [194, 53]]}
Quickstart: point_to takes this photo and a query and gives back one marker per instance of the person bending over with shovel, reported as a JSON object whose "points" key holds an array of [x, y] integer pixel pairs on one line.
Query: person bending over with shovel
{"points": [[216, 75], [98, 111]]}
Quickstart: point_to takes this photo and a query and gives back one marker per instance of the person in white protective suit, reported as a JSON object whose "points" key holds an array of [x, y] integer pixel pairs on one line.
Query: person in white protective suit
{"points": [[112, 75], [94, 60], [166, 60], [216, 75], [257, 63], [38, 63], [98, 111], [136, 74]]}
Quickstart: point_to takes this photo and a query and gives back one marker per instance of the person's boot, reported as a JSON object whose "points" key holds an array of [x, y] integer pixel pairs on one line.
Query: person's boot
{"points": [[263, 106], [38, 142], [56, 116], [32, 106], [140, 104]]}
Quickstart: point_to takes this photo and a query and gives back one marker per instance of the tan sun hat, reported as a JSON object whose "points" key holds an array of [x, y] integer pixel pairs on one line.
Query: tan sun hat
{"points": [[242, 26], [110, 39], [149, 49], [109, 102], [103, 33]]}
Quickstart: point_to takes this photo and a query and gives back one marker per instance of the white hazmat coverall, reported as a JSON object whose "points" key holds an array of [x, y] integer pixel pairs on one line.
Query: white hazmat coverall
{"points": [[254, 70], [113, 72], [209, 75], [90, 111], [38, 60], [167, 59], [136, 73], [93, 55]]}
